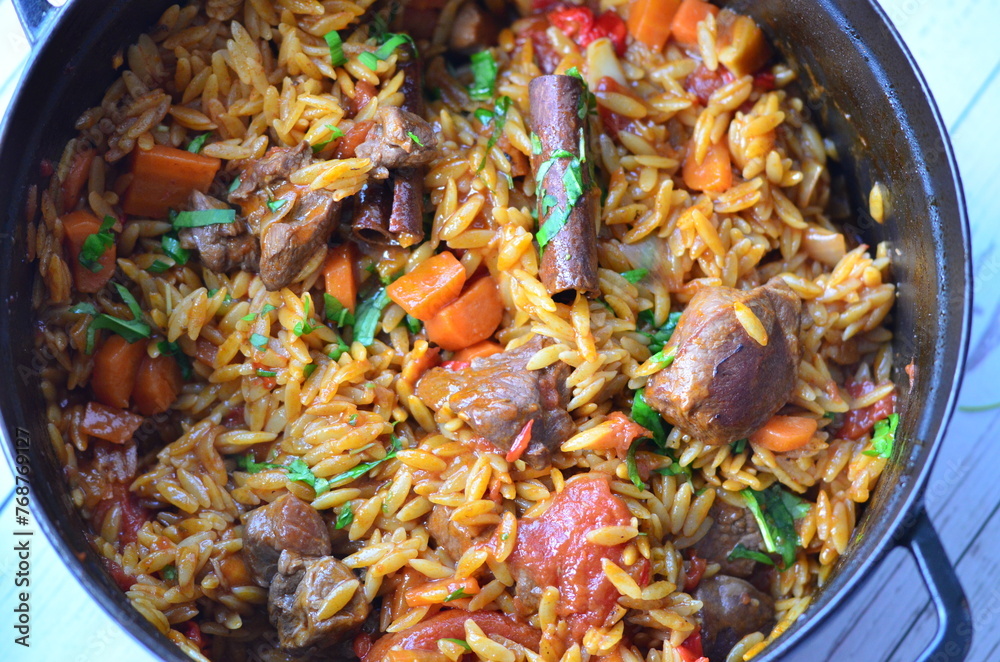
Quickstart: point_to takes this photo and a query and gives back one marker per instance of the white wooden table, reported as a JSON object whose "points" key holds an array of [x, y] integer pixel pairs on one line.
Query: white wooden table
{"points": [[957, 45]]}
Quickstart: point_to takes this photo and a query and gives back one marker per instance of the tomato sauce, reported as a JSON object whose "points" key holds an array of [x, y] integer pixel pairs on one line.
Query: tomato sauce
{"points": [[555, 551]]}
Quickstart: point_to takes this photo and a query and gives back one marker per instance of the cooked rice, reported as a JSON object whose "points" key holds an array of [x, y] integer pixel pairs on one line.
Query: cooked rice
{"points": [[257, 75]]}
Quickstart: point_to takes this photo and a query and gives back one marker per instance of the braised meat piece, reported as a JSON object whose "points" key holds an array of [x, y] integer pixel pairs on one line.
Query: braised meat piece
{"points": [[723, 383], [399, 139], [456, 539], [731, 609], [223, 246], [732, 526], [497, 395], [297, 599], [566, 198], [289, 523], [473, 30], [293, 222]]}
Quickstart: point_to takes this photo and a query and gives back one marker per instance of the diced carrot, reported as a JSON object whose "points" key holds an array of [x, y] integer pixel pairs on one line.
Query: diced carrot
{"points": [[649, 21], [116, 363], [79, 225], [234, 569], [437, 592], [435, 283], [715, 173], [109, 423], [742, 46], [472, 317], [338, 274], [785, 433], [684, 27], [163, 178], [479, 350], [157, 384], [79, 172]]}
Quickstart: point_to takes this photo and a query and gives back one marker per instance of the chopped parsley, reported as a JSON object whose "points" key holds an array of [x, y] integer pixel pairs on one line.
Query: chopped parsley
{"points": [[336, 46], [649, 418], [304, 327], [353, 420], [369, 316], [157, 267], [95, 245], [235, 184], [635, 275], [174, 349], [258, 341], [365, 467], [308, 369], [335, 133], [345, 517], [339, 350], [536, 144], [499, 117], [884, 437], [415, 138], [336, 312], [171, 247], [633, 468], [459, 642], [738, 446], [659, 337], [484, 76], [266, 373], [197, 143], [202, 217], [413, 324], [392, 42], [572, 181], [456, 595], [664, 358], [300, 472], [263, 311], [776, 510], [741, 551], [131, 330], [275, 205], [169, 572], [246, 463], [83, 308]]}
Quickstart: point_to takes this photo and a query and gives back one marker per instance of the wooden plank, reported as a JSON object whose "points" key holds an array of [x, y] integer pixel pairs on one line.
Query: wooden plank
{"points": [[954, 43]]}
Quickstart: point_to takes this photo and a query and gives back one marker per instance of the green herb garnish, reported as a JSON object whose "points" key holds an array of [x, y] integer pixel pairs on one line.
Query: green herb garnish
{"points": [[131, 330], [157, 267], [664, 358], [203, 217], [174, 349], [308, 369], [95, 245], [415, 138], [266, 373], [365, 467], [741, 551], [275, 205], [304, 327], [169, 572], [484, 76], [369, 316], [171, 247], [246, 463], [336, 46], [258, 341], [659, 337], [738, 446], [336, 312], [339, 350], [335, 133], [197, 143], [649, 418], [345, 517], [635, 275], [460, 642], [456, 595], [633, 468], [352, 420], [884, 437], [499, 120], [776, 510], [413, 324]]}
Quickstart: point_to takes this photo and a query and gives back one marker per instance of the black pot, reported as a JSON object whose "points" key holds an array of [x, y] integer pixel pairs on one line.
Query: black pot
{"points": [[861, 84]]}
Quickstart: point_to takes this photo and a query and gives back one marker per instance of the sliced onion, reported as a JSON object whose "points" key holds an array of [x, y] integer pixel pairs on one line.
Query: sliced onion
{"points": [[824, 245]]}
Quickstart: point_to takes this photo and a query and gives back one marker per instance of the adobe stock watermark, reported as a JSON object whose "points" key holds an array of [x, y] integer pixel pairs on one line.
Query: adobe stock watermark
{"points": [[22, 539]]}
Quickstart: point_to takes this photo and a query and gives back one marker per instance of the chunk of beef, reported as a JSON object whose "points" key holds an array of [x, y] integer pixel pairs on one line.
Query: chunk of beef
{"points": [[473, 30], [731, 609], [456, 539], [731, 527], [723, 384], [223, 246], [297, 599], [287, 523], [497, 395], [399, 139], [292, 222]]}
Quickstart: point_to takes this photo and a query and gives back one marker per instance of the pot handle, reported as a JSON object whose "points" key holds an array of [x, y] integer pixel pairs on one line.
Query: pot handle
{"points": [[954, 634], [34, 15]]}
